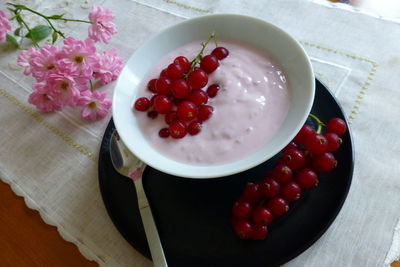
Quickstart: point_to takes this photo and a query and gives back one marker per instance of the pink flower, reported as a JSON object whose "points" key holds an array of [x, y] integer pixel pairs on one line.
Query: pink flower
{"points": [[102, 27], [109, 66], [81, 54], [95, 105], [42, 100], [5, 26], [24, 60], [44, 61], [63, 88]]}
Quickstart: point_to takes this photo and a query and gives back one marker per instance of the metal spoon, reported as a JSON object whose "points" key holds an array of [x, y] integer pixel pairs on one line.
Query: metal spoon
{"points": [[130, 166]]}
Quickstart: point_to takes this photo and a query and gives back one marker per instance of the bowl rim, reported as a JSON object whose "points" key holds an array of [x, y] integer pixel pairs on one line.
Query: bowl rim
{"points": [[218, 174]]}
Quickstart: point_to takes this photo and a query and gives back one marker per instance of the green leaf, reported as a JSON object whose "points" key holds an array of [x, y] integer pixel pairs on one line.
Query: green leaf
{"points": [[17, 31], [10, 39], [54, 37], [39, 33], [56, 16]]}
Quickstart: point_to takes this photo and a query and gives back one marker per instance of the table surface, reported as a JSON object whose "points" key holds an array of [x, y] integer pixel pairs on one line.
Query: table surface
{"points": [[27, 241]]}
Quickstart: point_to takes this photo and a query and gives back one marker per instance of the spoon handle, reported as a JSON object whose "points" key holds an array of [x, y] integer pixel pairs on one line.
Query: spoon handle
{"points": [[153, 239]]}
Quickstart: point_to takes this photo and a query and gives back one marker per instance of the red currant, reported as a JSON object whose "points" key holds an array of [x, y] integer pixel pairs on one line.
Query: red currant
{"points": [[241, 210], [164, 73], [163, 86], [220, 52], [293, 158], [209, 63], [291, 145], [212, 90], [163, 133], [243, 229], [187, 111], [170, 117], [259, 232], [205, 112], [291, 191], [324, 162], [175, 71], [337, 126], [306, 178], [180, 89], [199, 97], [151, 86], [162, 104], [316, 144], [177, 130], [152, 114], [198, 78], [278, 206], [282, 173], [269, 187], [194, 127], [305, 132], [142, 104], [262, 216], [334, 141], [252, 193], [183, 62]]}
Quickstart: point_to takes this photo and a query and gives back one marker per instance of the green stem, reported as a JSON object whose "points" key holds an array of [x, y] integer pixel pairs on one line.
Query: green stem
{"points": [[319, 122], [29, 29], [75, 20]]}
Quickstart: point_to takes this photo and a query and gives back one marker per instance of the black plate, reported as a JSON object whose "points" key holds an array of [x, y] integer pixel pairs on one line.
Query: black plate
{"points": [[192, 216]]}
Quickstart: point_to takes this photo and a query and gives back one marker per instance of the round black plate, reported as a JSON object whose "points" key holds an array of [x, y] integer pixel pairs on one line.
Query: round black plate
{"points": [[192, 215]]}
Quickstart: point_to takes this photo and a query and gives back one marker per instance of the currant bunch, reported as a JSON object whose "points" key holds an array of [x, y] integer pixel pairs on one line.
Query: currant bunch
{"points": [[179, 93], [309, 154]]}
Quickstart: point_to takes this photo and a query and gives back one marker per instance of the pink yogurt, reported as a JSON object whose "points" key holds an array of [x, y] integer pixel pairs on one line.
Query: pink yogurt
{"points": [[249, 109]]}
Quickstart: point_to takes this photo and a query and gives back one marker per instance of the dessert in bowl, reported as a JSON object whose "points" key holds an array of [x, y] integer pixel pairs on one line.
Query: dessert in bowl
{"points": [[266, 92]]}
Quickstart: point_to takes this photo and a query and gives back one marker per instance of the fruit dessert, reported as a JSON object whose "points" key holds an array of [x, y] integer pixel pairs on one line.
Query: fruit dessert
{"points": [[213, 106]]}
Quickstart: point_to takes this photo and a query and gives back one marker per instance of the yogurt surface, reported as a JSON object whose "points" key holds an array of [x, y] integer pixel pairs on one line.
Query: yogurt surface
{"points": [[249, 108]]}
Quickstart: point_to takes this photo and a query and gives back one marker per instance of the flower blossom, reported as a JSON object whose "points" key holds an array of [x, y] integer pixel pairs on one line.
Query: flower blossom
{"points": [[95, 105], [5, 26], [44, 61], [110, 66], [42, 100], [24, 60], [102, 27], [63, 88]]}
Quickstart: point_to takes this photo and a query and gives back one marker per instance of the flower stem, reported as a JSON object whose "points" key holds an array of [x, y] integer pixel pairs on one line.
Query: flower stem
{"points": [[319, 122]]}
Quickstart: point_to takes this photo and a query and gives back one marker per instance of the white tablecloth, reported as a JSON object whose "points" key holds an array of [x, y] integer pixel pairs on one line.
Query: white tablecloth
{"points": [[51, 160]]}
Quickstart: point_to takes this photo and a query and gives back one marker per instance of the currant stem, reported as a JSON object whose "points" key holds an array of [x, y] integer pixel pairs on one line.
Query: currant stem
{"points": [[319, 122]]}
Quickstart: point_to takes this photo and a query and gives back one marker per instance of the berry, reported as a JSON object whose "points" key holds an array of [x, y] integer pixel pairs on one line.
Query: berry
{"points": [[282, 173], [164, 73], [183, 62], [305, 132], [243, 229], [269, 187], [194, 127], [262, 216], [142, 104], [199, 97], [198, 78], [337, 126], [170, 117], [205, 112], [291, 145], [151, 86], [278, 206], [293, 158], [212, 90], [175, 71], [152, 114], [291, 191], [324, 162], [241, 210], [306, 178], [162, 104], [220, 52], [259, 232], [209, 63], [177, 130], [316, 144], [163, 86], [187, 111], [180, 89], [252, 193], [163, 133], [334, 141]]}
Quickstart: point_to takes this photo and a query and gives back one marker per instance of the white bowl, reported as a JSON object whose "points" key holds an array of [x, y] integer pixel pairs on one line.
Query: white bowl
{"points": [[285, 50]]}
